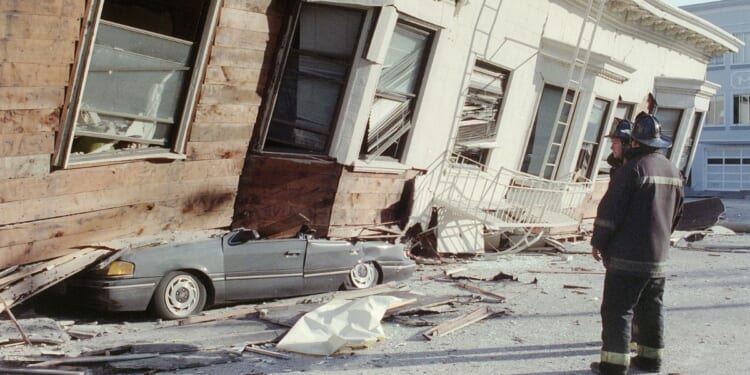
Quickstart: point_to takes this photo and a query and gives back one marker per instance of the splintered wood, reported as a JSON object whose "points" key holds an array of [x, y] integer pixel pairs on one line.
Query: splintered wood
{"points": [[455, 324]]}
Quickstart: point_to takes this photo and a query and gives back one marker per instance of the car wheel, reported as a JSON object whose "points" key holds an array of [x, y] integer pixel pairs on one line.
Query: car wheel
{"points": [[178, 295], [362, 276]]}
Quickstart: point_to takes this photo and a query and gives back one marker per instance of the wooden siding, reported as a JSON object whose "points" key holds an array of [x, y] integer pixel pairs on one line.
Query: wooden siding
{"points": [[370, 199], [44, 212], [272, 189]]}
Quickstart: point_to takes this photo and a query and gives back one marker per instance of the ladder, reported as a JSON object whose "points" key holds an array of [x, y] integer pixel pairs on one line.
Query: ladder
{"points": [[572, 89]]}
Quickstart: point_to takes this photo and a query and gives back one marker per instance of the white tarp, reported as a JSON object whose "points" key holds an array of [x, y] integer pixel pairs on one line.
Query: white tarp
{"points": [[338, 324]]}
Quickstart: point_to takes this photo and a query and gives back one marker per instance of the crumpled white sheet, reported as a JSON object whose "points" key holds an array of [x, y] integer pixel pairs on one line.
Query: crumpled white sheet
{"points": [[338, 324]]}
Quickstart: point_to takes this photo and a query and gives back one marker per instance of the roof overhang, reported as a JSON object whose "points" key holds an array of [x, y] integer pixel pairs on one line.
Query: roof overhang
{"points": [[677, 24]]}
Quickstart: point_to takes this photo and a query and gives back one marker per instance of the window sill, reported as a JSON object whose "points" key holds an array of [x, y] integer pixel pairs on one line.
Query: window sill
{"points": [[379, 166], [78, 161]]}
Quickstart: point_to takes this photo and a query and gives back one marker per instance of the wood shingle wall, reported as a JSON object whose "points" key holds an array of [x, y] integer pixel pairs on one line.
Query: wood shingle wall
{"points": [[43, 211]]}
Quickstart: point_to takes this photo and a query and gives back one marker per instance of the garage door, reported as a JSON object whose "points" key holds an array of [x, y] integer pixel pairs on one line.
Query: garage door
{"points": [[727, 169]]}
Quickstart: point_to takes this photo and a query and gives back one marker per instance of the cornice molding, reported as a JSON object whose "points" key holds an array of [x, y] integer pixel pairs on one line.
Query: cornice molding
{"points": [[599, 64], [687, 87]]}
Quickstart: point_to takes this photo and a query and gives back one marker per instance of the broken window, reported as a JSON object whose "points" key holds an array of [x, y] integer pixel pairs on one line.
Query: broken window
{"points": [[669, 118], [132, 90], [541, 134], [479, 116], [391, 115], [590, 146], [687, 150], [316, 71]]}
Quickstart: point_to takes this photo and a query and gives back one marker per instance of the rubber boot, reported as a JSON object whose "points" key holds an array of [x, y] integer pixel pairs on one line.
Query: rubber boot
{"points": [[605, 368], [646, 364]]}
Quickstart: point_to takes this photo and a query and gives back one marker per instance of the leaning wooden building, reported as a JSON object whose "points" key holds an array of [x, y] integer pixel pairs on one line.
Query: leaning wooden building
{"points": [[128, 118]]}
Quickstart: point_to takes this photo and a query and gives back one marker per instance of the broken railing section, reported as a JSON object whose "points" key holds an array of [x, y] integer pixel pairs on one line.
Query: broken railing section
{"points": [[516, 208]]}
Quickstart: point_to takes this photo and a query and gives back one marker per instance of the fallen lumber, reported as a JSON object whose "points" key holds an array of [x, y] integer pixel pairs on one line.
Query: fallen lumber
{"points": [[458, 323], [257, 350], [95, 359], [15, 322], [568, 272], [9, 370], [25, 284], [285, 227], [477, 289], [234, 314]]}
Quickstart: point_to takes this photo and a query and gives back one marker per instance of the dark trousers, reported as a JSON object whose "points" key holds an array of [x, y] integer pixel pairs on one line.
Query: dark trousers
{"points": [[625, 295]]}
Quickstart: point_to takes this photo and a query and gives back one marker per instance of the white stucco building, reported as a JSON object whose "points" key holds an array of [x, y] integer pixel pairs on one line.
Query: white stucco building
{"points": [[722, 158]]}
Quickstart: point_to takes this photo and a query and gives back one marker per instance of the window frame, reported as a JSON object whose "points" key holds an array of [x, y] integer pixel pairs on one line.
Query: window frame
{"points": [[282, 60], [402, 149], [524, 167], [596, 146], [668, 151], [712, 114], [736, 114], [467, 149], [175, 148]]}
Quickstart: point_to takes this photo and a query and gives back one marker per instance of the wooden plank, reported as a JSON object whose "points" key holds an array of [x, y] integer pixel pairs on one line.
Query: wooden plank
{"points": [[30, 286], [26, 144], [23, 211], [50, 7], [34, 75], [73, 8], [86, 222], [24, 166], [65, 182], [16, 370], [241, 19], [477, 289], [230, 94], [256, 350], [40, 27], [237, 75], [253, 40], [29, 121], [237, 57], [53, 52], [94, 359], [219, 132], [257, 6], [355, 216], [217, 150], [31, 97], [458, 323], [226, 113], [368, 185]]}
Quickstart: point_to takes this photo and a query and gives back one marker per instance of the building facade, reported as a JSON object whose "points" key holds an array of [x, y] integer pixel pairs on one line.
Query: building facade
{"points": [[722, 158], [125, 118]]}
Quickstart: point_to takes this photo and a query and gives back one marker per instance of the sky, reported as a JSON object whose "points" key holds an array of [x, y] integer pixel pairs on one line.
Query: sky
{"points": [[679, 3]]}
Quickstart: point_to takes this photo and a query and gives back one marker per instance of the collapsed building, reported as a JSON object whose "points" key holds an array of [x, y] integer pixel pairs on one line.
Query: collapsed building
{"points": [[131, 118]]}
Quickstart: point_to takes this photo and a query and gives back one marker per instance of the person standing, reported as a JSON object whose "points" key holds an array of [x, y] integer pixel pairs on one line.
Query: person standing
{"points": [[634, 221]]}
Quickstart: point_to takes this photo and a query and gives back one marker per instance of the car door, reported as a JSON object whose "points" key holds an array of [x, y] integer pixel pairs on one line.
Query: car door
{"points": [[263, 268], [328, 263]]}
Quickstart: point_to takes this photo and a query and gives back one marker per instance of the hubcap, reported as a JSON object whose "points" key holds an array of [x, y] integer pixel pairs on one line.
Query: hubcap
{"points": [[363, 275], [182, 295]]}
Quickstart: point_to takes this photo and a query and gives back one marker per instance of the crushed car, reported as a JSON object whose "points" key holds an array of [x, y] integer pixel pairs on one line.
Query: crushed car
{"points": [[178, 280]]}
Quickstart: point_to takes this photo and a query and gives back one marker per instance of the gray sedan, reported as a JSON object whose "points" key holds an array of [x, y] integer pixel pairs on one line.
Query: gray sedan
{"points": [[178, 280]]}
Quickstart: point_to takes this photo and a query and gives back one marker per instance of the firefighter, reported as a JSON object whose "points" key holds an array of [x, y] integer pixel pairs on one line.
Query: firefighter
{"points": [[634, 221], [620, 144]]}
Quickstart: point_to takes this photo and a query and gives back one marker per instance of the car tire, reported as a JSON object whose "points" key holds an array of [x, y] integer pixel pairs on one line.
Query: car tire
{"points": [[178, 295], [362, 276]]}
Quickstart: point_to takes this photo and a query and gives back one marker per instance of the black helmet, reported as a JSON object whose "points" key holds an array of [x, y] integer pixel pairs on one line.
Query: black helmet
{"points": [[647, 131], [622, 130]]}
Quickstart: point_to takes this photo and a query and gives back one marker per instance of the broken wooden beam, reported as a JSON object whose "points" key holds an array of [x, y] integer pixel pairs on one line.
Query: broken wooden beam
{"points": [[458, 323], [257, 350], [567, 272], [477, 289], [95, 359], [15, 322], [234, 314], [8, 370]]}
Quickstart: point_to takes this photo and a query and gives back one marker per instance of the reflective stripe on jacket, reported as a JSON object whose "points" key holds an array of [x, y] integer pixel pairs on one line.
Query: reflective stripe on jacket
{"points": [[638, 213]]}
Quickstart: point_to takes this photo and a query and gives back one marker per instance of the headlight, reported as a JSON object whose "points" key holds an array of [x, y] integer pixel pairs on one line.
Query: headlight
{"points": [[120, 268]]}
